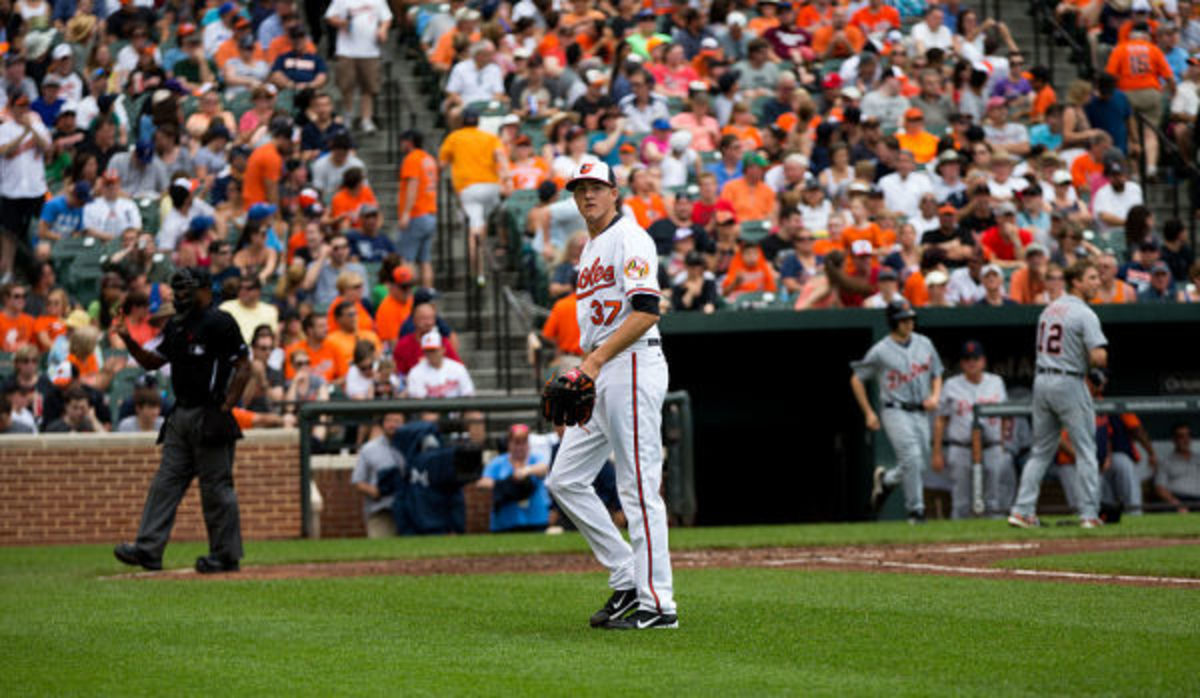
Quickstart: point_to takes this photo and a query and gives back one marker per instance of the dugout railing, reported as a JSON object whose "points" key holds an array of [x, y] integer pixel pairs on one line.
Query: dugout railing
{"points": [[1115, 405], [680, 493]]}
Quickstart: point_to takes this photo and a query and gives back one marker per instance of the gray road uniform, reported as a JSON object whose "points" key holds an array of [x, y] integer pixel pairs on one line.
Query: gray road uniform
{"points": [[905, 373], [959, 397], [1067, 331]]}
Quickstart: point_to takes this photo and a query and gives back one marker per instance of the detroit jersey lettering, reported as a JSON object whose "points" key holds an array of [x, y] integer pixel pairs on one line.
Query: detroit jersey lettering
{"points": [[1067, 331], [616, 265], [904, 372], [959, 397]]}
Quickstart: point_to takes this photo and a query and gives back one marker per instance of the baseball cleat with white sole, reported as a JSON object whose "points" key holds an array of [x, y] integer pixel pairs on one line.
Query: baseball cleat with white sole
{"points": [[1021, 521], [644, 620]]}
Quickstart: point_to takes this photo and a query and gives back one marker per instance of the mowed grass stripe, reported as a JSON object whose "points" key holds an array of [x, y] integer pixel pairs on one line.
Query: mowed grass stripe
{"points": [[745, 632]]}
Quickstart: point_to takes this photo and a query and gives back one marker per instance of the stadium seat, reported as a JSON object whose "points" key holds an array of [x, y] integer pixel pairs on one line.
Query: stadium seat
{"points": [[755, 231], [6, 363]]}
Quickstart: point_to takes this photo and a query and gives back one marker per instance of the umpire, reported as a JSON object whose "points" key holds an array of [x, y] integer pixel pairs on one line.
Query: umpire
{"points": [[209, 369]]}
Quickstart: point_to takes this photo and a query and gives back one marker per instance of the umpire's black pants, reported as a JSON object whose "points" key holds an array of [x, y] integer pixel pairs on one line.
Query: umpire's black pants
{"points": [[185, 455]]}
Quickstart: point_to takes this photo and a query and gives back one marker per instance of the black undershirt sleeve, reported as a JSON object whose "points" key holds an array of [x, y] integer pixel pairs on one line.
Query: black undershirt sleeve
{"points": [[644, 303]]}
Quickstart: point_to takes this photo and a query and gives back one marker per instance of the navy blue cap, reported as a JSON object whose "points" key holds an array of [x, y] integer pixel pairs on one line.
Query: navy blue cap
{"points": [[972, 349]]}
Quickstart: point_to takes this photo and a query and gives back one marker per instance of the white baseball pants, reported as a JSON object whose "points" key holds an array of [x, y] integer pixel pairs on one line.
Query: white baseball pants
{"points": [[627, 422]]}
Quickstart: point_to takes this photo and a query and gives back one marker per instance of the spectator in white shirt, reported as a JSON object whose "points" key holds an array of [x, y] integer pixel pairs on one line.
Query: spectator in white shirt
{"points": [[966, 283], [24, 141], [111, 214], [931, 32], [641, 107], [362, 28], [476, 79], [903, 189], [1112, 203], [436, 375]]}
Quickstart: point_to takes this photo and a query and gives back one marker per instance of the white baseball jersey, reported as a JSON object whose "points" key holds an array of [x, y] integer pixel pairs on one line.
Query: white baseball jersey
{"points": [[959, 397], [449, 380], [615, 265]]}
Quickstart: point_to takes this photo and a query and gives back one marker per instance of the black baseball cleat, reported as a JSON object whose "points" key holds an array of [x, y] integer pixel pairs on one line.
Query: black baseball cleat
{"points": [[131, 555], [644, 620], [916, 518], [210, 564], [879, 489], [621, 602]]}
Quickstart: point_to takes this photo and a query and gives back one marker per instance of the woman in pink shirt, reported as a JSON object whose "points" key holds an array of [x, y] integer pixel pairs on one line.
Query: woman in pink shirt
{"points": [[672, 76], [697, 118]]}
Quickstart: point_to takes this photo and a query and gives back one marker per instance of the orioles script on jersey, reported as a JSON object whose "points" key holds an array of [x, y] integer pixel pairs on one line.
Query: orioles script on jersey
{"points": [[594, 278]]}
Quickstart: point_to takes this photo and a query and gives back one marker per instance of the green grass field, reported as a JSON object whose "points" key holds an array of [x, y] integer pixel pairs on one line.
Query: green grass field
{"points": [[66, 629]]}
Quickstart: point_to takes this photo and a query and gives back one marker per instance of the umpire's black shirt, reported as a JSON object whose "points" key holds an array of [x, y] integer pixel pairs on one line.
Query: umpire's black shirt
{"points": [[202, 348]]}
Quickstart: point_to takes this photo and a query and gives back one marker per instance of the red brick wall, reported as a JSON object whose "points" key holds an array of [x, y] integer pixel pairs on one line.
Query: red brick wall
{"points": [[341, 515], [82, 488]]}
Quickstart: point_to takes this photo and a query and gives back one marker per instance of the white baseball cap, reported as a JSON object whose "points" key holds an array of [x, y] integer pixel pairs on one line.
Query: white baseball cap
{"points": [[735, 18], [61, 51], [431, 340], [592, 168], [1062, 177], [937, 277]]}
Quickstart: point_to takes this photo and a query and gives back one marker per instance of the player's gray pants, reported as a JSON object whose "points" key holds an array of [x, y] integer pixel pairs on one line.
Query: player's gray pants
{"points": [[1119, 483], [185, 456], [909, 434], [999, 480], [1061, 402]]}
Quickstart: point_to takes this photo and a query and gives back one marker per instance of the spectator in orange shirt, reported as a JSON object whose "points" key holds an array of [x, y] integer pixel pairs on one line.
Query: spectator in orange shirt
{"points": [[915, 139], [749, 272], [348, 201], [284, 43], [1028, 283], [16, 326], [1089, 167], [52, 323], [766, 19], [562, 328], [350, 287], [644, 201], [529, 170], [466, 23], [915, 289], [264, 169], [229, 48], [396, 306], [838, 39], [316, 348], [1141, 69], [416, 204], [752, 198], [861, 227], [741, 125], [345, 338], [1043, 93], [876, 18]]}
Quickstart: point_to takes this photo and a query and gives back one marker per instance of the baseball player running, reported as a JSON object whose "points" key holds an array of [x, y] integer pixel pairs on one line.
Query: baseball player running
{"points": [[624, 378], [1070, 347], [973, 454], [910, 385]]}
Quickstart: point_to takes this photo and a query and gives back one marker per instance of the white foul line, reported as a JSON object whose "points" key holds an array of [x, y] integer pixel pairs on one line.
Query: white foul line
{"points": [[984, 571]]}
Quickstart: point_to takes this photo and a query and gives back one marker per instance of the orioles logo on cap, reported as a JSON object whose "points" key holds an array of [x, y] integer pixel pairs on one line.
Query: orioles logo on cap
{"points": [[585, 168]]}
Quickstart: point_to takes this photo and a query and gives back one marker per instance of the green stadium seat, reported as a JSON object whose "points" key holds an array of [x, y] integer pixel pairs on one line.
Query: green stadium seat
{"points": [[7, 366], [675, 105], [122, 386], [151, 214]]}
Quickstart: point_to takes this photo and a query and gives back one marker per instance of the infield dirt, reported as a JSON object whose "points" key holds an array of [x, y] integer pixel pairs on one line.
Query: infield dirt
{"points": [[956, 559]]}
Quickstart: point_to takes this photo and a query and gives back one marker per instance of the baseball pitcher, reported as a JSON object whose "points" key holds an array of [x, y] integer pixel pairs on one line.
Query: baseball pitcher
{"points": [[613, 403], [973, 455], [910, 384], [1071, 347]]}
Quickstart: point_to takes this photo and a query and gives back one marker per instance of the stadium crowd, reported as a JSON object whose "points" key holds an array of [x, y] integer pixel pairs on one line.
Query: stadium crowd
{"points": [[818, 154]]}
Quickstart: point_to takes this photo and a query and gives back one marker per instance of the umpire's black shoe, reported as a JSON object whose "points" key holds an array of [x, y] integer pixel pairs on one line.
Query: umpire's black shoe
{"points": [[130, 554], [215, 565], [644, 620], [879, 489], [916, 518], [621, 602]]}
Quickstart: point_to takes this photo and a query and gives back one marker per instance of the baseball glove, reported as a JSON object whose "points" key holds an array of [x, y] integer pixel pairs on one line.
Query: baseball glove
{"points": [[1098, 377], [569, 398]]}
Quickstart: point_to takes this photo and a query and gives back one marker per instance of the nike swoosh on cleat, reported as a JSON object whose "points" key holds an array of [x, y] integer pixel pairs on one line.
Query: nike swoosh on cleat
{"points": [[647, 624]]}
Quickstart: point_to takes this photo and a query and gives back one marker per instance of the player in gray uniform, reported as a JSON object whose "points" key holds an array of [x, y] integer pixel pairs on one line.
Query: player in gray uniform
{"points": [[1071, 347], [910, 385], [966, 451]]}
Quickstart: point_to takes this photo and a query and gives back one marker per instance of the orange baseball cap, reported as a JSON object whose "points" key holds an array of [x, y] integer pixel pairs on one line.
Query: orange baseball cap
{"points": [[402, 274], [913, 113]]}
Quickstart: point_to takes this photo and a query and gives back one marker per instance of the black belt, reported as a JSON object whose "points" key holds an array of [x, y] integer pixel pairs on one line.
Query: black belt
{"points": [[1060, 372], [906, 406], [965, 444]]}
